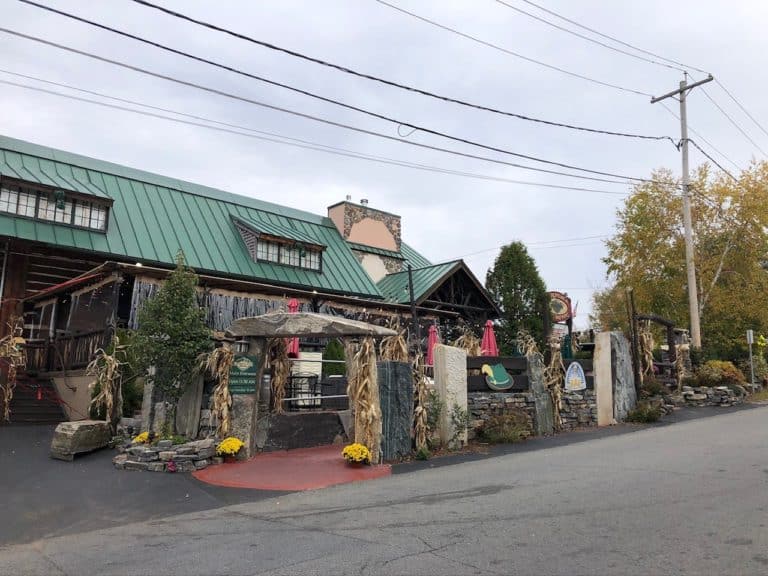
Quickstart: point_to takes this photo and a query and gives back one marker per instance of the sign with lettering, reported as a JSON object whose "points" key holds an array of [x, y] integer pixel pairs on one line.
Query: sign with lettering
{"points": [[242, 376], [574, 378]]}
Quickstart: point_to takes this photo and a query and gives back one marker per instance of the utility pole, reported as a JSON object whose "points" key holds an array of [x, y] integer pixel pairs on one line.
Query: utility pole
{"points": [[690, 265]]}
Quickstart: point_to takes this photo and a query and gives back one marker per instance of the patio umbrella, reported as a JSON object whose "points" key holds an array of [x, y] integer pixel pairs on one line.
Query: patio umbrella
{"points": [[293, 343], [488, 346], [432, 339]]}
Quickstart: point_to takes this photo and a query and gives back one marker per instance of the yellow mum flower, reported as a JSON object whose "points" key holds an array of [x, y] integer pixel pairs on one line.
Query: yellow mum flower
{"points": [[356, 453], [142, 438], [229, 446]]}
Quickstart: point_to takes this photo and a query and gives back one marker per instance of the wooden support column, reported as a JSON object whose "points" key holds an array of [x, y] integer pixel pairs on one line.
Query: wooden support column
{"points": [[14, 288]]}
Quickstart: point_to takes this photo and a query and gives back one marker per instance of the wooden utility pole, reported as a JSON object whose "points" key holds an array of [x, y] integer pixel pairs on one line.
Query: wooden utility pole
{"points": [[690, 265]]}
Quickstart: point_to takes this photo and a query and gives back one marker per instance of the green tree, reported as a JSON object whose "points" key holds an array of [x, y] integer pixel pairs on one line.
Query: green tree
{"points": [[647, 253], [517, 288], [334, 351], [171, 335]]}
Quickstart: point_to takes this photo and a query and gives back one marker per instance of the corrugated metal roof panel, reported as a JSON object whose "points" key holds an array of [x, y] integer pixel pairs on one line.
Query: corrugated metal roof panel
{"points": [[412, 257], [271, 229], [394, 287], [153, 216]]}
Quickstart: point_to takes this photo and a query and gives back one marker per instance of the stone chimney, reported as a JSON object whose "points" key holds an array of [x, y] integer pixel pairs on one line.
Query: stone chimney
{"points": [[362, 224]]}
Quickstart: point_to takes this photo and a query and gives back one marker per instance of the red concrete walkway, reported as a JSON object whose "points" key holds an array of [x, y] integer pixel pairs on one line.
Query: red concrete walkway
{"points": [[291, 470]]}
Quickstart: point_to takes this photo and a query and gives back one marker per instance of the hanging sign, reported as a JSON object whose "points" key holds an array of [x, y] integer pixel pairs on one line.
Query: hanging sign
{"points": [[242, 376], [575, 378], [560, 307]]}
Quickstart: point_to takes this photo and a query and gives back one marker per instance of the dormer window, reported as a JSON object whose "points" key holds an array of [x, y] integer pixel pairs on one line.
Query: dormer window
{"points": [[56, 206], [277, 247]]}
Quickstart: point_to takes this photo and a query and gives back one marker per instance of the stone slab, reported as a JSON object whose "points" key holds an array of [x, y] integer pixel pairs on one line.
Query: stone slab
{"points": [[188, 409], [72, 438], [603, 379], [624, 392], [395, 380], [450, 370]]}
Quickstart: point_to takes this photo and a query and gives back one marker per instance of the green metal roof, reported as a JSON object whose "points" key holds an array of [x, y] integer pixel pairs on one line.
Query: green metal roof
{"points": [[374, 250], [275, 230], [412, 257], [153, 216], [394, 287]]}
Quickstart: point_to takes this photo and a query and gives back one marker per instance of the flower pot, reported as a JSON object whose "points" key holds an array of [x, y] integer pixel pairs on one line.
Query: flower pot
{"points": [[230, 459], [355, 464]]}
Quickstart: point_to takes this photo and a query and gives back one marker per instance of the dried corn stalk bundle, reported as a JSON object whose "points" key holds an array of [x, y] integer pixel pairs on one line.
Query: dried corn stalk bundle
{"points": [[527, 346], [554, 375], [281, 370], [218, 365], [108, 378], [646, 350], [420, 426], [12, 354], [394, 348], [363, 391], [469, 342]]}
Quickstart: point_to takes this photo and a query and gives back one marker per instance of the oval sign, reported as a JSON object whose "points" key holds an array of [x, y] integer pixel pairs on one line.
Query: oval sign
{"points": [[575, 378]]}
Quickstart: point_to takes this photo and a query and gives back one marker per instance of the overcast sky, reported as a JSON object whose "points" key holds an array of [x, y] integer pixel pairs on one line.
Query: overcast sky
{"points": [[444, 216]]}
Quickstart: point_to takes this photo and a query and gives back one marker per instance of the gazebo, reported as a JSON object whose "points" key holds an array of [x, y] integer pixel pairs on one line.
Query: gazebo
{"points": [[266, 336]]}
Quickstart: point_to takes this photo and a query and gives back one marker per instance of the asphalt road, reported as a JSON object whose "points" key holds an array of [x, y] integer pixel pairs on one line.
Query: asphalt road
{"points": [[688, 498]]}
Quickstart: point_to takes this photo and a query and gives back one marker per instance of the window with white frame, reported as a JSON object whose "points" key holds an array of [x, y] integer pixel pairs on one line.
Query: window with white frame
{"points": [[52, 207], [280, 251]]}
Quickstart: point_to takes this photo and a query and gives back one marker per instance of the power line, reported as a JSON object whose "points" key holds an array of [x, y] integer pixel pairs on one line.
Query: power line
{"points": [[677, 65], [702, 138], [587, 38], [392, 83], [340, 124], [541, 244], [323, 98], [286, 140], [510, 52], [715, 162], [732, 121], [613, 39], [741, 106]]}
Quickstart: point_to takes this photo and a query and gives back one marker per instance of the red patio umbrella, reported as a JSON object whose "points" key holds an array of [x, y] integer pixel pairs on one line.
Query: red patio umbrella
{"points": [[488, 345], [293, 343], [432, 339]]}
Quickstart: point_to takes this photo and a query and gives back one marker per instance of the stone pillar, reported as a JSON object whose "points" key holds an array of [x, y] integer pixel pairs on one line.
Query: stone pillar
{"points": [[395, 381], [451, 386], [624, 393], [603, 379]]}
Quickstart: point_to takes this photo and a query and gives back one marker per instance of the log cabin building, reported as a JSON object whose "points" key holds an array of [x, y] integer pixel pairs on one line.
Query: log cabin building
{"points": [[83, 243]]}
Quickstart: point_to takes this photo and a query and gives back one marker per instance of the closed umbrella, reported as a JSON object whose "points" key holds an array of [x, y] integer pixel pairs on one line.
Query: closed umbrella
{"points": [[293, 343], [432, 339], [488, 345]]}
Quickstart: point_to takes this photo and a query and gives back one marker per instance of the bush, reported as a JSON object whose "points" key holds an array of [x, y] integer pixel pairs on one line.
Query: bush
{"points": [[652, 387], [644, 414], [423, 453], [760, 366], [719, 373], [506, 428]]}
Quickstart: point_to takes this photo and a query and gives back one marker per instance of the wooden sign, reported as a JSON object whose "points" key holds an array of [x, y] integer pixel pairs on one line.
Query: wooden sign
{"points": [[574, 378], [560, 307], [242, 376]]}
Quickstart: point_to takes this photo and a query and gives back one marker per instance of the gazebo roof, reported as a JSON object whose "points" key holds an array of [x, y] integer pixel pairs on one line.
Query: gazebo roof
{"points": [[306, 324]]}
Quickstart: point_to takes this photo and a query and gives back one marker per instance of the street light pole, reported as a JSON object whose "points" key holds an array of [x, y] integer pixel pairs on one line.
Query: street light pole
{"points": [[690, 265]]}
